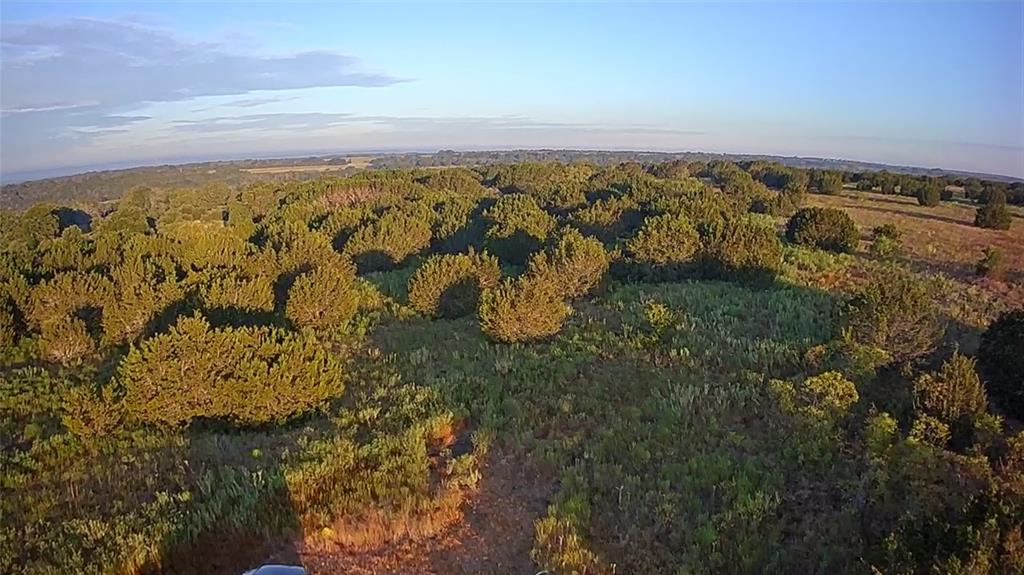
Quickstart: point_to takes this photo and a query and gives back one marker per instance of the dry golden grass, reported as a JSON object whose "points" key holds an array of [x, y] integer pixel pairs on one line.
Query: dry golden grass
{"points": [[942, 238]]}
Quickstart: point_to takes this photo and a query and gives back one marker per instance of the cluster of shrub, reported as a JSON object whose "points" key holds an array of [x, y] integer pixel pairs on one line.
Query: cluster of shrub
{"points": [[290, 256], [231, 306]]}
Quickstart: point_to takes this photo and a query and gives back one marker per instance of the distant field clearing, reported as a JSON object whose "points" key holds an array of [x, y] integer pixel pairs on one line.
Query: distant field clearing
{"points": [[360, 162], [282, 169]]}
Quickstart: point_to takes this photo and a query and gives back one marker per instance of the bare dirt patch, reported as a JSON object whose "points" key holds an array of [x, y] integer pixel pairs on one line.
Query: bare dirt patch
{"points": [[494, 536], [941, 238]]}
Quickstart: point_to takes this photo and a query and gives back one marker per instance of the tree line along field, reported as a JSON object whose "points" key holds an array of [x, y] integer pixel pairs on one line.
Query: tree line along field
{"points": [[711, 367]]}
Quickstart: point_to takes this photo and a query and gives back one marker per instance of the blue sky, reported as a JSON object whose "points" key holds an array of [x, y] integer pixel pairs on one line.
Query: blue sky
{"points": [[937, 85]]}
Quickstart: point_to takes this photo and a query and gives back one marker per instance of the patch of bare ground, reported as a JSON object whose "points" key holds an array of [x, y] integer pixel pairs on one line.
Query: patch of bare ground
{"points": [[494, 534], [941, 238]]}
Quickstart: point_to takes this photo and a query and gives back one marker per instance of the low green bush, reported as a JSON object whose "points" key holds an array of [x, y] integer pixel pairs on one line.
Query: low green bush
{"points": [[66, 341], [665, 247], [387, 242], [994, 215], [1001, 361], [450, 285], [887, 240], [520, 310], [8, 329], [249, 375], [609, 219], [323, 299], [516, 228], [991, 264], [744, 249], [825, 228], [896, 312], [952, 394], [575, 263], [929, 195]]}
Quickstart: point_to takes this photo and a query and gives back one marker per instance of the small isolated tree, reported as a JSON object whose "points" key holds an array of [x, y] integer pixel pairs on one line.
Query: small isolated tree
{"points": [[575, 263], [323, 299], [665, 244], [952, 394], [887, 240], [929, 194], [825, 228], [991, 264], [450, 285], [517, 227], [895, 312], [994, 214], [525, 309], [1001, 361]]}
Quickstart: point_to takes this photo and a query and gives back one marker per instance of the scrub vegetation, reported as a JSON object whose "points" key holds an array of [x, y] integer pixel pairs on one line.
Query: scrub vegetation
{"points": [[715, 377]]}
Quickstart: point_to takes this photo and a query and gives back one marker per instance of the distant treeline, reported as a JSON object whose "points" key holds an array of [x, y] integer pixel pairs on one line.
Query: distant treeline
{"points": [[91, 188]]}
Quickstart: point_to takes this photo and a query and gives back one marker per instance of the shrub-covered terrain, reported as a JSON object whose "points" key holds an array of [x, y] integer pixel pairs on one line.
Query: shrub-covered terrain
{"points": [[710, 377]]}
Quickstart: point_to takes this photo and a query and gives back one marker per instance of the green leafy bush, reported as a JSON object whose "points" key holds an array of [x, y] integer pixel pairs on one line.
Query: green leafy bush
{"points": [[991, 264], [450, 285], [825, 228], [249, 376], [66, 341], [457, 225], [575, 263], [516, 228], [929, 195], [145, 287], [887, 240], [238, 290], [610, 218], [744, 249], [387, 242], [323, 299], [828, 182], [665, 246], [952, 394], [1001, 361], [994, 215], [896, 312], [525, 309], [8, 331]]}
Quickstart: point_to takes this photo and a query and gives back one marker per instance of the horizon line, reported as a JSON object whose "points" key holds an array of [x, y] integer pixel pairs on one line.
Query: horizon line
{"points": [[28, 176]]}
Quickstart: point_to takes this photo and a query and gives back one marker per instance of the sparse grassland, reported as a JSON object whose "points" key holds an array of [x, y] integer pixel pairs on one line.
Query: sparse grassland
{"points": [[941, 238]]}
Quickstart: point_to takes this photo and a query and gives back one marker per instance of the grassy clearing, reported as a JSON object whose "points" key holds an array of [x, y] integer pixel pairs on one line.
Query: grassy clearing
{"points": [[940, 239]]}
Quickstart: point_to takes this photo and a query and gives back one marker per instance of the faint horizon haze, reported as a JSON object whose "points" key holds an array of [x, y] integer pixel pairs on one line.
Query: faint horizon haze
{"points": [[934, 85]]}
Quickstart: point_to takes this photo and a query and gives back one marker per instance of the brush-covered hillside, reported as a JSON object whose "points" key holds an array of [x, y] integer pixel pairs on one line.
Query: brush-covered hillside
{"points": [[683, 367]]}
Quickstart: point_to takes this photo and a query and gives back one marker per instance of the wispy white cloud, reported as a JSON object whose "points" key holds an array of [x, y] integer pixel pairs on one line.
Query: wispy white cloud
{"points": [[103, 70]]}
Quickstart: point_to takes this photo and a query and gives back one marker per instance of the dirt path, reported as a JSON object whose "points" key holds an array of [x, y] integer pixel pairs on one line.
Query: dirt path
{"points": [[495, 535]]}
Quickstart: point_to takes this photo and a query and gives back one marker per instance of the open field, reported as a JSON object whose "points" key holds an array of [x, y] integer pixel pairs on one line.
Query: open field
{"points": [[285, 169], [942, 238], [359, 162]]}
